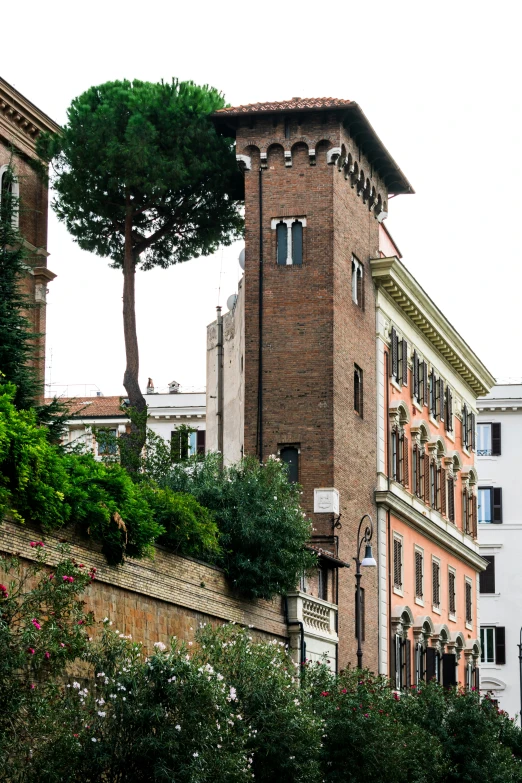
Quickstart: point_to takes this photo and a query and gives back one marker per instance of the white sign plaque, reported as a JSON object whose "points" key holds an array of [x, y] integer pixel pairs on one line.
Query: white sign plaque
{"points": [[326, 500]]}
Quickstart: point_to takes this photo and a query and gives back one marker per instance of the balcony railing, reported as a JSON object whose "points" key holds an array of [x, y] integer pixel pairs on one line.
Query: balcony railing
{"points": [[484, 452], [319, 624]]}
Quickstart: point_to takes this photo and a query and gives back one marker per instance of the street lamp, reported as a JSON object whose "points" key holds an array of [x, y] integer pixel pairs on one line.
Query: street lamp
{"points": [[368, 561], [520, 672]]}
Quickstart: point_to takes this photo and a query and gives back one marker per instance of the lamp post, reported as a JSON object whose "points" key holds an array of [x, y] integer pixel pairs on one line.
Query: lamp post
{"points": [[368, 561]]}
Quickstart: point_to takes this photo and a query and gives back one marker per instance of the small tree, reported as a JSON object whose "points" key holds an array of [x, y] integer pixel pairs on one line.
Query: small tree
{"points": [[143, 178]]}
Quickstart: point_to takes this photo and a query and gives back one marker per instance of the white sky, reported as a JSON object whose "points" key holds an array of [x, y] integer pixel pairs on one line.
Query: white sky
{"points": [[440, 82]]}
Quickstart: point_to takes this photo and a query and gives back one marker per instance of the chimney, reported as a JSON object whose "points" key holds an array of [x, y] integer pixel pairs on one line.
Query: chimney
{"points": [[150, 386], [173, 387]]}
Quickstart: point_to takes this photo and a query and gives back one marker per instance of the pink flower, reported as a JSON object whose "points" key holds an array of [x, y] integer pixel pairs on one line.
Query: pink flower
{"points": [[80, 622], [47, 655], [4, 591], [67, 578], [62, 644], [324, 693], [30, 650], [36, 543], [51, 576], [32, 543], [36, 624], [33, 686]]}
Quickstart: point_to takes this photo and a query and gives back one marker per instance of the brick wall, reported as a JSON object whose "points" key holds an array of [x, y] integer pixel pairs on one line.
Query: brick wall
{"points": [[313, 333], [154, 599]]}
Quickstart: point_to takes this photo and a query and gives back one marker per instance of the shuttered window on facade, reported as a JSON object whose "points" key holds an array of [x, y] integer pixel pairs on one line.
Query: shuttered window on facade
{"points": [[452, 602], [469, 606], [451, 498], [435, 583], [419, 567], [487, 577], [397, 563]]}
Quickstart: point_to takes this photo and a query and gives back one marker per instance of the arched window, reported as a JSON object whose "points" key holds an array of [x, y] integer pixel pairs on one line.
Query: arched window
{"points": [[297, 242], [282, 243], [9, 192], [289, 240], [290, 456]]}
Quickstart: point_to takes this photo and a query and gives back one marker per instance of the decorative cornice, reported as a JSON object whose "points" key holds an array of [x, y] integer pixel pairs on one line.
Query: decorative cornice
{"points": [[435, 533], [392, 277], [21, 122]]}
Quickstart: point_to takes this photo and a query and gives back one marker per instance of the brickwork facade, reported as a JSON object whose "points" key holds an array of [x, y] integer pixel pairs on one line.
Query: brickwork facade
{"points": [[313, 333], [20, 125]]}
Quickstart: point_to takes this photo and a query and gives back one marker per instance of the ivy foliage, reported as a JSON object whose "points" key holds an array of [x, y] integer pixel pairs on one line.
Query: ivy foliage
{"points": [[263, 531]]}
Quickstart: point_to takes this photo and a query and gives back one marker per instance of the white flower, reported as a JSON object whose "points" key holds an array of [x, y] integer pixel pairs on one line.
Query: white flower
{"points": [[77, 685], [196, 754], [94, 739], [232, 695], [177, 727], [101, 714], [160, 646]]}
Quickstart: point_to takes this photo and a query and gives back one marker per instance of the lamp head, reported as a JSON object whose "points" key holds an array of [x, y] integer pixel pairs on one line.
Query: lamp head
{"points": [[368, 560]]}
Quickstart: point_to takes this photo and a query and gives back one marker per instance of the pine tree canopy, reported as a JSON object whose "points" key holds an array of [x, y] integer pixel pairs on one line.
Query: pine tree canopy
{"points": [[152, 147]]}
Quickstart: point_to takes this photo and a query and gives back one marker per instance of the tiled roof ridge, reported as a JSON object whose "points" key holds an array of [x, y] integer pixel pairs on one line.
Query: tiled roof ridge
{"points": [[292, 104]]}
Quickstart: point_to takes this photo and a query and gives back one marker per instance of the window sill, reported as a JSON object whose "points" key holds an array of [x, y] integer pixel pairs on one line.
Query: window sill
{"points": [[396, 384], [398, 591], [417, 405], [436, 609], [452, 618], [434, 421], [465, 451], [450, 436], [419, 601], [489, 595], [469, 626]]}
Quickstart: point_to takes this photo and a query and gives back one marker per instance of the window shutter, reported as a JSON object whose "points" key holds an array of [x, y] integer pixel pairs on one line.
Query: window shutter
{"points": [[469, 615], [407, 654], [500, 645], [404, 362], [415, 376], [474, 515], [425, 384], [405, 462], [282, 243], [473, 428], [394, 353], [397, 563], [465, 426], [426, 478], [451, 592], [443, 485], [297, 242], [418, 574], [449, 670], [450, 411], [451, 499], [431, 666], [497, 505], [441, 410], [487, 577], [495, 440], [436, 583]]}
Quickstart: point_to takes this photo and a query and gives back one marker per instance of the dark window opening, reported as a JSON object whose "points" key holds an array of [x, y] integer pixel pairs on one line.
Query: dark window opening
{"points": [[487, 577], [469, 605], [282, 243], [322, 583], [297, 242], [290, 456], [451, 593], [358, 390]]}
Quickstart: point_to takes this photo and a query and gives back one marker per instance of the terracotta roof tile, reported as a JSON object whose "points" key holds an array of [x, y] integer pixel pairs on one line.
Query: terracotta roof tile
{"points": [[295, 104], [94, 407]]}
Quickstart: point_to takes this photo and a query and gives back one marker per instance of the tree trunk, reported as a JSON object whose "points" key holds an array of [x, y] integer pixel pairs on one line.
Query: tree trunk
{"points": [[135, 440]]}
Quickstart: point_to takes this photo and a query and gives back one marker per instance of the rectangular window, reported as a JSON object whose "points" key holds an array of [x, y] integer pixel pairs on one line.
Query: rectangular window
{"points": [[179, 444], [451, 498], [404, 362], [487, 577], [107, 442], [469, 603], [488, 440], [322, 583], [397, 562], [415, 383], [419, 574], [358, 390], [449, 410], [394, 346], [433, 394], [289, 455], [433, 484], [487, 644], [436, 583], [452, 601], [200, 441], [490, 505], [357, 282]]}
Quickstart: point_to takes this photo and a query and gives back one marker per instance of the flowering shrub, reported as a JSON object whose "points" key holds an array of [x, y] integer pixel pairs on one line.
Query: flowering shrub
{"points": [[263, 531]]}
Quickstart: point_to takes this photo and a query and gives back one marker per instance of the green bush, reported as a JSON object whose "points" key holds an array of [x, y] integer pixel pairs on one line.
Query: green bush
{"points": [[189, 527], [263, 531], [33, 478], [110, 508]]}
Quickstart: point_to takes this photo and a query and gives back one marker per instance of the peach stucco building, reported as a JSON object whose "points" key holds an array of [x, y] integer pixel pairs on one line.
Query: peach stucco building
{"points": [[428, 383]]}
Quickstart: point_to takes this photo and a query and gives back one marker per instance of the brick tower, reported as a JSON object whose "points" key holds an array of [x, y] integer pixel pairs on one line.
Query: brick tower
{"points": [[317, 182]]}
